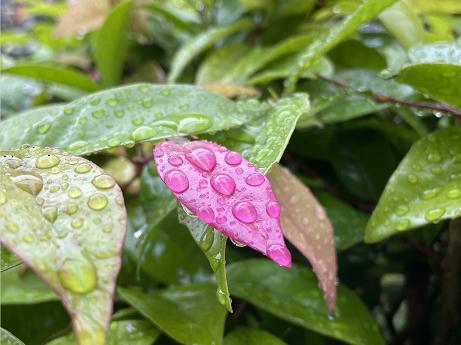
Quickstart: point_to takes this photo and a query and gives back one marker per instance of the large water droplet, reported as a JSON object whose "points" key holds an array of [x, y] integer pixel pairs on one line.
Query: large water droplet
{"points": [[176, 180], [74, 192], [83, 168], [194, 123], [434, 214], [50, 213], [77, 275], [255, 179], [175, 160], [143, 133], [206, 241], [279, 254], [97, 201], [221, 296], [245, 212], [223, 184], [103, 182], [29, 183], [233, 158], [202, 158], [47, 161], [206, 214], [273, 209]]}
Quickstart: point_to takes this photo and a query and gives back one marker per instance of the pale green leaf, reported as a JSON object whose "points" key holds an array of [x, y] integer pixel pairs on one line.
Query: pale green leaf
{"points": [[7, 260], [66, 220], [251, 336], [189, 314], [123, 116], [6, 338], [425, 188]]}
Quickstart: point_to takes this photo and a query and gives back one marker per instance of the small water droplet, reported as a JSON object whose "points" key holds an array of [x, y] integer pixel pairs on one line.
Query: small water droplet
{"points": [[434, 157], [47, 161], [434, 214], [221, 296], [112, 102], [402, 225], [176, 180], [233, 158], [11, 227], [71, 209], [77, 275], [137, 121], [107, 228], [42, 129], [429, 193], [74, 192], [77, 223], [69, 111], [103, 182], [279, 254], [255, 179], [207, 239], [223, 184], [50, 213], [119, 113], [28, 238], [97, 201], [203, 183], [202, 158], [175, 160], [273, 209], [221, 219], [239, 171], [412, 178], [82, 168], [98, 114], [454, 193], [245, 212], [402, 210]]}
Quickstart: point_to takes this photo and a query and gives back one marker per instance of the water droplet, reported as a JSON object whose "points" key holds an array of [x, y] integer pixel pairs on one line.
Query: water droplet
{"points": [[107, 228], [221, 219], [194, 123], [82, 168], [223, 184], [165, 92], [103, 182], [203, 183], [47, 161], [221, 296], [143, 133], [69, 111], [273, 209], [50, 213], [233, 158], [176, 180], [112, 102], [403, 225], [412, 178], [239, 171], [119, 113], [434, 157], [430, 193], [454, 193], [77, 223], [402, 210], [202, 158], [147, 103], [28, 238], [255, 179], [42, 129], [434, 214], [74, 192], [11, 227], [137, 121], [77, 275], [71, 209], [97, 201], [158, 152], [244, 212], [237, 243], [77, 146], [175, 160], [29, 183], [207, 239], [2, 197], [206, 214], [279, 254], [98, 114]]}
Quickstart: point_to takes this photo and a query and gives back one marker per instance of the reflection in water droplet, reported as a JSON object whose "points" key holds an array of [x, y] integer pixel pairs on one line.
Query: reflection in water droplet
{"points": [[255, 179], [273, 209], [434, 214], [176, 180], [202, 158], [77, 275], [47, 161], [103, 182], [83, 168], [223, 184], [233, 158], [74, 192], [245, 212], [97, 201]]}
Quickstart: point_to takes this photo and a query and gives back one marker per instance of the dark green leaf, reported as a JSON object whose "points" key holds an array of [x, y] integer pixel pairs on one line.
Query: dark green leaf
{"points": [[251, 336], [189, 314], [7, 260], [6, 338], [293, 295], [425, 188]]}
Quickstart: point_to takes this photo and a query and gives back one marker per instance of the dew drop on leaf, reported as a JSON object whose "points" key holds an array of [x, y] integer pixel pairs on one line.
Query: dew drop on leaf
{"points": [[47, 161], [255, 179], [434, 214], [103, 182], [77, 275], [176, 180], [82, 168], [244, 212], [74, 192], [223, 184], [97, 201], [202, 158]]}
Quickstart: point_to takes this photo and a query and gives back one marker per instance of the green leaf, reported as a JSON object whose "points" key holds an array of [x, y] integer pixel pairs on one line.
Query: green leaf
{"points": [[319, 47], [349, 223], [425, 188], [293, 295], [54, 74], [251, 336], [439, 52], [6, 338], [7, 260], [126, 332], [66, 220], [213, 245], [200, 43], [24, 287], [123, 116], [111, 44], [189, 314]]}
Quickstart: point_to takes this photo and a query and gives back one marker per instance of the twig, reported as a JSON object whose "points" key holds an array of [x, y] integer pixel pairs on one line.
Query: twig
{"points": [[379, 98]]}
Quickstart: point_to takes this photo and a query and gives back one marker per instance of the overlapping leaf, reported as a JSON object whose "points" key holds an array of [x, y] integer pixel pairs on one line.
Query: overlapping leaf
{"points": [[66, 220], [425, 188], [6, 338], [251, 336], [123, 116], [7, 260]]}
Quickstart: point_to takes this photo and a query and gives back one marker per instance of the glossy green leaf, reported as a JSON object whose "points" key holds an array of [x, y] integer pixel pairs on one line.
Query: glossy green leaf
{"points": [[66, 220], [293, 295], [7, 260], [320, 46], [21, 286], [111, 44], [425, 188], [251, 336], [438, 52], [200, 43], [54, 74], [213, 245], [6, 338], [349, 224], [123, 116], [126, 332], [189, 314]]}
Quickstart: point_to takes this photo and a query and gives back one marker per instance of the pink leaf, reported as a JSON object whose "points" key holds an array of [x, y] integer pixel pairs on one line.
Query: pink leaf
{"points": [[225, 191]]}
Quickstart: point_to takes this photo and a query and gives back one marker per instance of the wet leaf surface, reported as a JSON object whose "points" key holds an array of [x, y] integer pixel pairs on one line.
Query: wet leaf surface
{"points": [[6, 338], [251, 336]]}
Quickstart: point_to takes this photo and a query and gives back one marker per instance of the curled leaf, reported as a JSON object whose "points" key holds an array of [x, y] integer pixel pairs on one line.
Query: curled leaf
{"points": [[65, 219], [306, 225], [225, 191]]}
